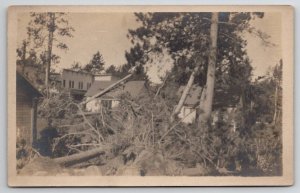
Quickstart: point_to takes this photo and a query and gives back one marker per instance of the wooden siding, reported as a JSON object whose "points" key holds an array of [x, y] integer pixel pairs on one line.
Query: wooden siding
{"points": [[24, 116]]}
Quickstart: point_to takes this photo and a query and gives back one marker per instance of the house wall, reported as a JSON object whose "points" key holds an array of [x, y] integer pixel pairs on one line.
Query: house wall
{"points": [[189, 114], [103, 78], [95, 105], [24, 116], [84, 79], [115, 103]]}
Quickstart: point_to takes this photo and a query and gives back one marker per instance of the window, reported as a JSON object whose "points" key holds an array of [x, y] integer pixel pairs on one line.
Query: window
{"points": [[80, 85], [88, 85], [107, 104], [64, 83]]}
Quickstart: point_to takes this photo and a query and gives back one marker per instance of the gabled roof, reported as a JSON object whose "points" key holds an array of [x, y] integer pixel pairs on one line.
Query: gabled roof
{"points": [[134, 88], [24, 83], [221, 97], [97, 86], [78, 72], [193, 96]]}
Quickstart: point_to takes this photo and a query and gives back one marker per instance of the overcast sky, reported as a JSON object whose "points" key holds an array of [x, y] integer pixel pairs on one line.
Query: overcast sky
{"points": [[106, 32]]}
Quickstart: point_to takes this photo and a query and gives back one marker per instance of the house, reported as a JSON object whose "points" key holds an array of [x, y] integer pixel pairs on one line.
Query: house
{"points": [[55, 83], [188, 111], [225, 105], [26, 108], [33, 72], [111, 98], [76, 82], [105, 77]]}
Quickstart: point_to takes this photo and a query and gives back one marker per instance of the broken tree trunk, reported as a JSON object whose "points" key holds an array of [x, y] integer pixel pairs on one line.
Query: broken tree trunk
{"points": [[207, 98], [131, 71], [184, 94], [79, 157], [107, 89]]}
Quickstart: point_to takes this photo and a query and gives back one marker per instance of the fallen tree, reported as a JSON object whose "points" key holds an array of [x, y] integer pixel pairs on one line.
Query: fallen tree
{"points": [[80, 157]]}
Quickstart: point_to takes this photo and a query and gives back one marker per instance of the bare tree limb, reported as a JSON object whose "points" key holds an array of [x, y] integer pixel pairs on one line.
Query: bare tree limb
{"points": [[80, 157], [161, 86]]}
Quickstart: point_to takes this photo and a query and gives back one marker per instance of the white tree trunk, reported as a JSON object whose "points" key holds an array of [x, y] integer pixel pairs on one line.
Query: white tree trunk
{"points": [[207, 96], [184, 94]]}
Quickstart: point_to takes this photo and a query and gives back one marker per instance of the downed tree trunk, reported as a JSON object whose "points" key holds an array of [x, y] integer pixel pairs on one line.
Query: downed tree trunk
{"points": [[184, 94], [107, 89], [79, 157], [131, 71]]}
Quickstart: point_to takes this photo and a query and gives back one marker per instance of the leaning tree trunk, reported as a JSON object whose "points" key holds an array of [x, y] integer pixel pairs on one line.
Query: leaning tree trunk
{"points": [[184, 94], [206, 100]]}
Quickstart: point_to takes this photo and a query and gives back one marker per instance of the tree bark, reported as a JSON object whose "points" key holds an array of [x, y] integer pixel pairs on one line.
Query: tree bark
{"points": [[107, 89], [206, 100], [24, 49], [79, 157], [51, 29], [162, 85], [185, 93]]}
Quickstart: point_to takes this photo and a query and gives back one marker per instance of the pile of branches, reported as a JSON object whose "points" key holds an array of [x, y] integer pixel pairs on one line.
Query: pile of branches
{"points": [[138, 138], [137, 133]]}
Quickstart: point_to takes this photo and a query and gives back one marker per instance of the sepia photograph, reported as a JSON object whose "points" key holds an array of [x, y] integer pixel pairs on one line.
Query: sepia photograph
{"points": [[150, 95]]}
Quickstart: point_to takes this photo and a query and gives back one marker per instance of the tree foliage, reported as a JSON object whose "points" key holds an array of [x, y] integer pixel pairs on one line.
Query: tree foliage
{"points": [[186, 37], [96, 64], [45, 31]]}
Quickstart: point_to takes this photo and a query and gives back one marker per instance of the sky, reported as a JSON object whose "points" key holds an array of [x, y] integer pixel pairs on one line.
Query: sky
{"points": [[264, 57], [106, 32]]}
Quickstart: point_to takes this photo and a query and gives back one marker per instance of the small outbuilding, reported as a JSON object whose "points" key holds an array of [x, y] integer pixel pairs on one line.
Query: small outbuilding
{"points": [[26, 108], [111, 98], [188, 110]]}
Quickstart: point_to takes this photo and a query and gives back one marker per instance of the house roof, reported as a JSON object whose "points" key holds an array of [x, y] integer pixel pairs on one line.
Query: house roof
{"points": [[27, 85], [55, 77], [79, 72], [193, 95], [226, 97], [134, 88], [97, 86], [221, 97]]}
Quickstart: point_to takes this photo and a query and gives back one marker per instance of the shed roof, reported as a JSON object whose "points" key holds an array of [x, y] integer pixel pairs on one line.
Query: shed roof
{"points": [[134, 88], [23, 82], [97, 86], [222, 97], [193, 95]]}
